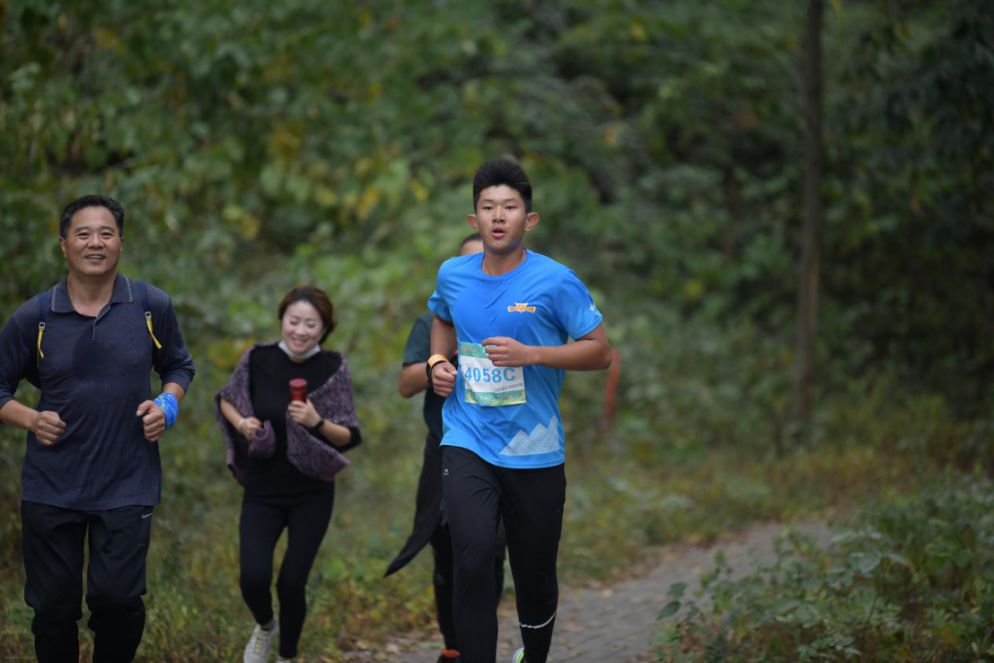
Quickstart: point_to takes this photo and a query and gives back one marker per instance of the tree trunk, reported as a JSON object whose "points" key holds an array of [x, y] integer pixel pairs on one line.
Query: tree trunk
{"points": [[807, 293]]}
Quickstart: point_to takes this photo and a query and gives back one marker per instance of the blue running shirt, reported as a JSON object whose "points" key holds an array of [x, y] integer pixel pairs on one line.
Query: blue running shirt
{"points": [[510, 417]]}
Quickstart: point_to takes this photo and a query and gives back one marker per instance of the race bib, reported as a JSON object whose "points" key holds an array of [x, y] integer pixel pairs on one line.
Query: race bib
{"points": [[486, 384]]}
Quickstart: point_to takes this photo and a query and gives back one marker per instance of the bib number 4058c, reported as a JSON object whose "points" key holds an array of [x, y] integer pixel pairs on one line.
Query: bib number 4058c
{"points": [[486, 384], [487, 375]]}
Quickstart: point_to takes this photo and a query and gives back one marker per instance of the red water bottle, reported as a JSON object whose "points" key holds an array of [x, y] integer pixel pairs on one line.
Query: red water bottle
{"points": [[298, 390]]}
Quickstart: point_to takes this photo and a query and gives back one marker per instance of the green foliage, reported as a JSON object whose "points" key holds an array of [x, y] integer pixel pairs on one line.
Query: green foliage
{"points": [[912, 581], [694, 384], [911, 174], [260, 145], [668, 136]]}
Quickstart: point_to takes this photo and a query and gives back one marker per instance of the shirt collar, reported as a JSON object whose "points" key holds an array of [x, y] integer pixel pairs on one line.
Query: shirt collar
{"points": [[123, 294]]}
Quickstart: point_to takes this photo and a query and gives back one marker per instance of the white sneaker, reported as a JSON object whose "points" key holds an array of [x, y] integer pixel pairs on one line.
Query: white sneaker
{"points": [[257, 649], [519, 656]]}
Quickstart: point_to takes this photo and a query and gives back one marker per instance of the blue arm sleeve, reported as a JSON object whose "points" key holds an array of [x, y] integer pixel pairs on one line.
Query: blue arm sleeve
{"points": [[437, 303]]}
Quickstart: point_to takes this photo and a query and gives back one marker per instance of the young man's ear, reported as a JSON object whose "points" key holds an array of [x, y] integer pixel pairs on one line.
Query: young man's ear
{"points": [[473, 223], [531, 220]]}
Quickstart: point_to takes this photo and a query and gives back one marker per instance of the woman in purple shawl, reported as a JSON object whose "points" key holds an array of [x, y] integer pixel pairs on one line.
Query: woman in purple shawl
{"points": [[285, 453]]}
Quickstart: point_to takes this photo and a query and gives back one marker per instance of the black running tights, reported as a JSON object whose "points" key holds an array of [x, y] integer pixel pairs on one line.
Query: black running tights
{"points": [[262, 521], [477, 494]]}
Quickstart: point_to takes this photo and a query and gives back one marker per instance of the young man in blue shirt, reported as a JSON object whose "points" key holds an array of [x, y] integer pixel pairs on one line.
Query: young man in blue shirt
{"points": [[430, 521], [510, 313], [91, 468]]}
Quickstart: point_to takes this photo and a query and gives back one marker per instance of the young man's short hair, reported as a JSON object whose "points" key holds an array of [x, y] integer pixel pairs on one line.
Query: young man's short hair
{"points": [[502, 171]]}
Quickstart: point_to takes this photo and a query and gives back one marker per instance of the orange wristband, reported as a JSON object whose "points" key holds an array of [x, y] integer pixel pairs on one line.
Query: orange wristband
{"points": [[432, 362], [434, 359]]}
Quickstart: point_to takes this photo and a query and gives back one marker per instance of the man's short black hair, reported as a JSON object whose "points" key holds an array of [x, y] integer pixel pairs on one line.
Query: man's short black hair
{"points": [[502, 171], [92, 200]]}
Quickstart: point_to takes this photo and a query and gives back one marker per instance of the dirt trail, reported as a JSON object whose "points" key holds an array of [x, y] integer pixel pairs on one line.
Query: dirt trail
{"points": [[616, 622]]}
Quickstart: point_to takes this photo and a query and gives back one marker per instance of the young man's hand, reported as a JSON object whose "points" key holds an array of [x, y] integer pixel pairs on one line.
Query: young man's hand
{"points": [[505, 351]]}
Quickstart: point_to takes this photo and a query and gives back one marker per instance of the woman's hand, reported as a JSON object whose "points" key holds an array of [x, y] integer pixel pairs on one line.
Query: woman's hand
{"points": [[247, 426], [303, 413]]}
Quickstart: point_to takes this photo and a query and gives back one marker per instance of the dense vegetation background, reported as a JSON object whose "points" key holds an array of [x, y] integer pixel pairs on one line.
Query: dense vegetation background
{"points": [[259, 145]]}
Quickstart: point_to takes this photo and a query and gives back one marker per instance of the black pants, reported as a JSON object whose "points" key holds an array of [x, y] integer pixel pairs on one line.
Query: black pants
{"points": [[53, 541], [477, 495], [262, 521], [443, 581]]}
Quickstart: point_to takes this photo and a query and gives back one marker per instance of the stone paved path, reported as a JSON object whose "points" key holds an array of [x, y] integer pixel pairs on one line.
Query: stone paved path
{"points": [[615, 622]]}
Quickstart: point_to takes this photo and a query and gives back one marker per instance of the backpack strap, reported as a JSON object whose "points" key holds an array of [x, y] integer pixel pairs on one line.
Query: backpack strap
{"points": [[143, 295], [44, 301]]}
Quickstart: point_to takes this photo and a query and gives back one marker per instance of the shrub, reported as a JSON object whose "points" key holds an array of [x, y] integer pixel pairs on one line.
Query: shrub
{"points": [[914, 580]]}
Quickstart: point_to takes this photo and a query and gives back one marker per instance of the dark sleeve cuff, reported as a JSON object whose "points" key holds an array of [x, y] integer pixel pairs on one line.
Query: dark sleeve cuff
{"points": [[355, 439], [182, 378]]}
